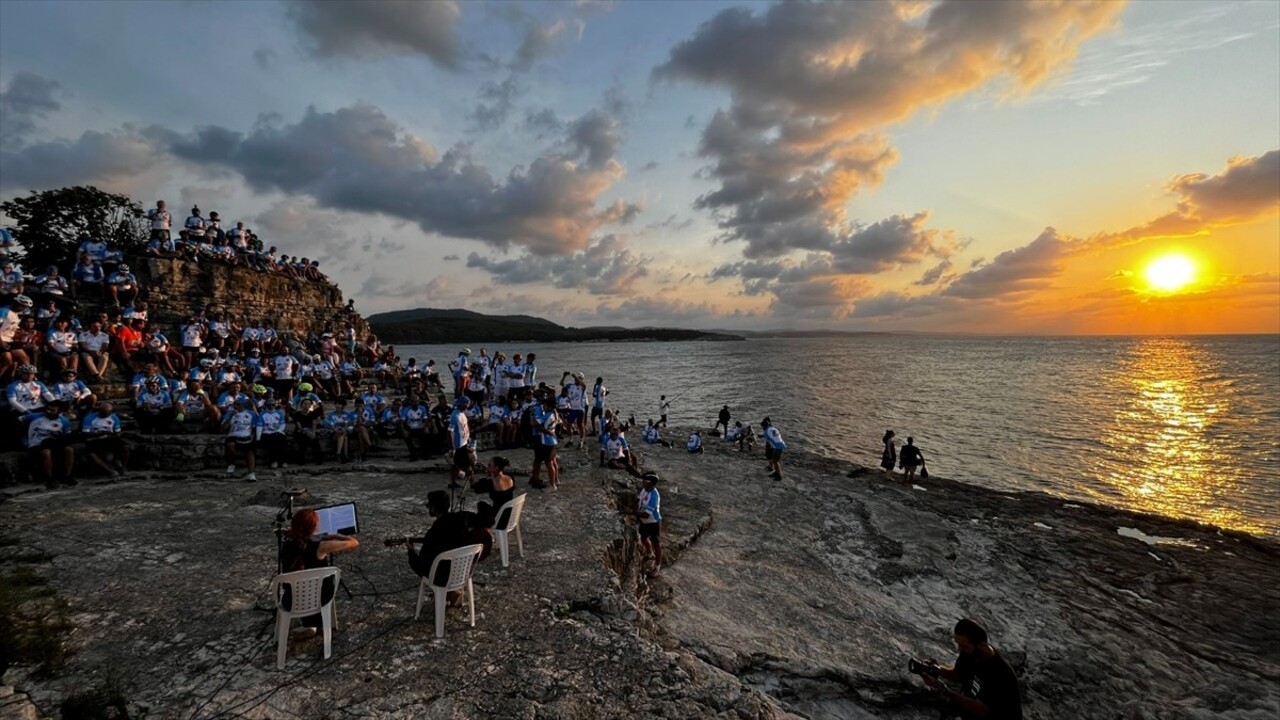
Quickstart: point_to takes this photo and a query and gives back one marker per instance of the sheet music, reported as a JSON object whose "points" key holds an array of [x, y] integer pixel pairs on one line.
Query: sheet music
{"points": [[338, 519]]}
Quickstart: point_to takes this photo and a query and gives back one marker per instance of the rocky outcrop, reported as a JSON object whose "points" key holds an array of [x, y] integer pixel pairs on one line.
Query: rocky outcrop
{"points": [[174, 286], [794, 599]]}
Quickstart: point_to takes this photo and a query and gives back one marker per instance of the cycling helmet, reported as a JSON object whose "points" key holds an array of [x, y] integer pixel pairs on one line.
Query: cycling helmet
{"points": [[26, 368], [23, 300], [259, 389], [206, 362], [304, 387]]}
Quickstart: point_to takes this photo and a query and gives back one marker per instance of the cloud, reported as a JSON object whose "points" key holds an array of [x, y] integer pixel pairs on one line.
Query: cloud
{"points": [[812, 85], [935, 274], [497, 100], [1247, 189], [606, 267], [542, 122], [111, 160], [210, 199], [28, 99], [372, 30], [296, 225], [264, 56], [359, 159], [1015, 271], [539, 41], [821, 298], [439, 290], [826, 280]]}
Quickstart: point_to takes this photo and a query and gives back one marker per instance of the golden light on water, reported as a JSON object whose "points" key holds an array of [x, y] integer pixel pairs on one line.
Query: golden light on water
{"points": [[1170, 273], [1172, 461]]}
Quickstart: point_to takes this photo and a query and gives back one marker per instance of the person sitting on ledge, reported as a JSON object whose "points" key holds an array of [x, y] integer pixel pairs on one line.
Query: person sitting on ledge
{"points": [[101, 429], [49, 438], [988, 685]]}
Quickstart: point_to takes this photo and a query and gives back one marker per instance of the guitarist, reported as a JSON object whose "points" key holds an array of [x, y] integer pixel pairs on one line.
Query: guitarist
{"points": [[449, 531]]}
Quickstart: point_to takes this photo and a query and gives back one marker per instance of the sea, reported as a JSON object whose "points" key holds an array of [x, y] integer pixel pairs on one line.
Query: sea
{"points": [[1185, 426]]}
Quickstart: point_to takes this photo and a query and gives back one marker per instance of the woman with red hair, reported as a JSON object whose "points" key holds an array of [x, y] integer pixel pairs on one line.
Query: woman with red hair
{"points": [[304, 550]]}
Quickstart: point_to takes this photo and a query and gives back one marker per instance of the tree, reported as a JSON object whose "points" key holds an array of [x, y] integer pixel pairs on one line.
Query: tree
{"points": [[49, 225]]}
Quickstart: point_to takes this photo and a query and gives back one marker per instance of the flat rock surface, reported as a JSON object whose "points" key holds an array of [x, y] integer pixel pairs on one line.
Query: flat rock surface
{"points": [[798, 598]]}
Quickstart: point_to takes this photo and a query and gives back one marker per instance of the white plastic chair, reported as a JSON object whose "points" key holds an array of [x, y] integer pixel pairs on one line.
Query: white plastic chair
{"points": [[461, 562], [513, 508], [305, 587]]}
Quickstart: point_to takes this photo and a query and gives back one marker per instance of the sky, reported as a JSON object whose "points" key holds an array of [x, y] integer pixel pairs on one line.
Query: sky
{"points": [[970, 167]]}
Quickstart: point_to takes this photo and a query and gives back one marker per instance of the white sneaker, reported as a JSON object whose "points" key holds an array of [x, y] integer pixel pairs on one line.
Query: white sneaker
{"points": [[275, 465], [251, 477], [231, 469], [284, 465]]}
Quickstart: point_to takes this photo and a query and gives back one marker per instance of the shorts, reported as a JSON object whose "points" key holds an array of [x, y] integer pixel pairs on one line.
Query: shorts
{"points": [[242, 444], [4, 346], [462, 459], [52, 444], [159, 234], [768, 452], [573, 416], [541, 454], [776, 454], [650, 530], [596, 412], [103, 445]]}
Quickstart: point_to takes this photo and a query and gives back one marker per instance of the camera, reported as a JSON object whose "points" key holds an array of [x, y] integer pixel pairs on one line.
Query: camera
{"points": [[928, 667]]}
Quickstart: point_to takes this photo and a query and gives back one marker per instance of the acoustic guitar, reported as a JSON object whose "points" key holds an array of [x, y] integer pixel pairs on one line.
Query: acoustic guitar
{"points": [[479, 536]]}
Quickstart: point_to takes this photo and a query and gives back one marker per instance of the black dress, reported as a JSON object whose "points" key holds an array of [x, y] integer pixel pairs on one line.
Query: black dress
{"points": [[890, 456]]}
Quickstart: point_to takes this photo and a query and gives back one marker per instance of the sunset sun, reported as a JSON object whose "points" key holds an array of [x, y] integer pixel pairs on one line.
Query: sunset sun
{"points": [[1170, 273]]}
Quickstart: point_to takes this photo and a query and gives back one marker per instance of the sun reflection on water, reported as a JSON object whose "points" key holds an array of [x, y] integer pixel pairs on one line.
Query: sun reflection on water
{"points": [[1172, 460]]}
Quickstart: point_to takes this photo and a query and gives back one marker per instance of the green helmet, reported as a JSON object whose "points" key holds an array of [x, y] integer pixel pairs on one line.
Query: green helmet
{"points": [[304, 387]]}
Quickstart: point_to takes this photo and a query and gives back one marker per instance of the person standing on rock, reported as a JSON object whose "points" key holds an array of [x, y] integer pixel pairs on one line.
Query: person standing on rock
{"points": [[889, 457], [649, 512], [598, 394], [724, 419], [460, 441], [988, 685], [664, 407], [911, 458], [773, 447]]}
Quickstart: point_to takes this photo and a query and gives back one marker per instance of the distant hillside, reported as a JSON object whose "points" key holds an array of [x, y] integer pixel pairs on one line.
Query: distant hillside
{"points": [[430, 326], [781, 333]]}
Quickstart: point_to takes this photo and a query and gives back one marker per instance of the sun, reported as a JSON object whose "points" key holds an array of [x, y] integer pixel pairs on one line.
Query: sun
{"points": [[1169, 273]]}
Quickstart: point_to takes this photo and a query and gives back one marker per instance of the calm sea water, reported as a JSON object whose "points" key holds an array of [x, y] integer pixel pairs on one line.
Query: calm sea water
{"points": [[1182, 426]]}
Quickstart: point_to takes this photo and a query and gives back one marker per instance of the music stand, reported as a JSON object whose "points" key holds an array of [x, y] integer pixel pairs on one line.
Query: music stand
{"points": [[282, 520]]}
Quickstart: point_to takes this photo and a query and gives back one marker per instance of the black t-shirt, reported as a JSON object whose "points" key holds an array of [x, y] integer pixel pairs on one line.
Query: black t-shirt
{"points": [[449, 532], [295, 557], [993, 682], [910, 455]]}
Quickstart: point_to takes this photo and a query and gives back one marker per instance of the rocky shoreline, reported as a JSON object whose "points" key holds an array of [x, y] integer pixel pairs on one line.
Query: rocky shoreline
{"points": [[801, 598]]}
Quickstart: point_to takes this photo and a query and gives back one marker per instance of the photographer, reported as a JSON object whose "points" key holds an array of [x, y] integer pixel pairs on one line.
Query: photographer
{"points": [[988, 685]]}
